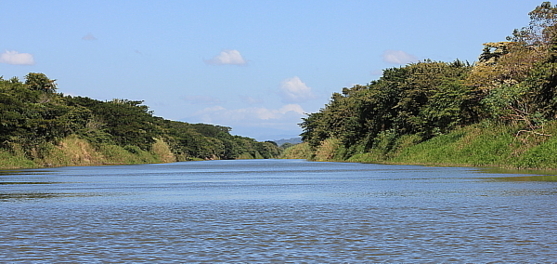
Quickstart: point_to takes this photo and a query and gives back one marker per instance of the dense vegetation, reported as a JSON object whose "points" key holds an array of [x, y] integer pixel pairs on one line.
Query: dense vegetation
{"points": [[512, 88], [40, 127]]}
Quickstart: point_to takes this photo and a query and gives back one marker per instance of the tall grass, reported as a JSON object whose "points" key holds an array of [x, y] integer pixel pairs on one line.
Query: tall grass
{"points": [[162, 151], [298, 151], [328, 150], [75, 151], [70, 151], [470, 146], [115, 155], [245, 155], [487, 144], [10, 161], [543, 156]]}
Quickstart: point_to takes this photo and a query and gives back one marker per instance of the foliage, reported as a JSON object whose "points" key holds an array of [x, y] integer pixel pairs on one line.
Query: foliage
{"points": [[327, 150], [123, 122], [541, 156], [37, 122], [31, 117], [298, 151], [513, 85], [39, 82], [426, 98]]}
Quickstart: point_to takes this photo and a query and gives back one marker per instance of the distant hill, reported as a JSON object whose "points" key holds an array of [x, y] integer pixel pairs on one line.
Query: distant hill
{"points": [[294, 140]]}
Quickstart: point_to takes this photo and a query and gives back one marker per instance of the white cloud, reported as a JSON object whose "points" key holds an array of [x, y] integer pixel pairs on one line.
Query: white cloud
{"points": [[294, 90], [398, 57], [16, 58], [259, 122], [231, 57], [89, 37], [219, 114]]}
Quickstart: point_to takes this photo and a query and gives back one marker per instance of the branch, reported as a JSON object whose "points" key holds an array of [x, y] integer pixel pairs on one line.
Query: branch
{"points": [[532, 132]]}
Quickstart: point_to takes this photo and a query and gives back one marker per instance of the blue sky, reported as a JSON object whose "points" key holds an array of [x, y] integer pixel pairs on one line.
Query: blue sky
{"points": [[255, 66]]}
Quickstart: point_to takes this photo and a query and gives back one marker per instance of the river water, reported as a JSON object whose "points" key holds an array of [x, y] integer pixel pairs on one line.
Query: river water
{"points": [[276, 211]]}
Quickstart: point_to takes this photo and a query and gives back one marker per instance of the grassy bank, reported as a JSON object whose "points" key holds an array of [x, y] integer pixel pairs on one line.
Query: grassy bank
{"points": [[298, 151], [74, 151], [480, 145]]}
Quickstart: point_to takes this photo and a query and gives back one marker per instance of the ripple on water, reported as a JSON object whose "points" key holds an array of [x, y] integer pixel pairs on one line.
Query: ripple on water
{"points": [[343, 215]]}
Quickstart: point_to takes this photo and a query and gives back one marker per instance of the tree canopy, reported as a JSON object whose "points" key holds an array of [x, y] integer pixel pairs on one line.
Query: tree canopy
{"points": [[33, 114], [513, 82]]}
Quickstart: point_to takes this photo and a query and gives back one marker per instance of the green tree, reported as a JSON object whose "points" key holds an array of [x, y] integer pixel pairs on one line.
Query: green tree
{"points": [[40, 82]]}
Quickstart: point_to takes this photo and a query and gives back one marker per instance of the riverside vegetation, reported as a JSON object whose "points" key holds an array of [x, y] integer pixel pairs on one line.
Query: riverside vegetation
{"points": [[42, 128], [500, 111]]}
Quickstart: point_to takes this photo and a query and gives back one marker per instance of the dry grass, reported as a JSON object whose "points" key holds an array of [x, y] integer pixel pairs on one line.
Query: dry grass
{"points": [[75, 151]]}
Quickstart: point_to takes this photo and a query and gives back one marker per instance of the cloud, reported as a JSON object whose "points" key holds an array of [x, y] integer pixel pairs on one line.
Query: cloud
{"points": [[16, 58], [259, 122], [398, 57], [89, 37], [293, 90], [227, 57], [219, 114], [285, 118]]}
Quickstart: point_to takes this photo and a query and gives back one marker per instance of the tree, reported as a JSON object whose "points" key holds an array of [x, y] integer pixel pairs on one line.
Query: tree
{"points": [[39, 82], [542, 29], [518, 79]]}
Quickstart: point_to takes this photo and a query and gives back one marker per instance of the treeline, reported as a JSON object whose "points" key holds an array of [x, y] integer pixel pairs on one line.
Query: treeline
{"points": [[35, 119], [514, 84]]}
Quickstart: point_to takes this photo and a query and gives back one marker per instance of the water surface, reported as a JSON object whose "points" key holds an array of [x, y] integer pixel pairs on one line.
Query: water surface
{"points": [[276, 211]]}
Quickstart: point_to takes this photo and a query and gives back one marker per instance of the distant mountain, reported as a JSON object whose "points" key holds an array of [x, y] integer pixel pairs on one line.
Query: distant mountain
{"points": [[294, 140]]}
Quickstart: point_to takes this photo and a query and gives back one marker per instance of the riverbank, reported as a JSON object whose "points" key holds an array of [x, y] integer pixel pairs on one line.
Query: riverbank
{"points": [[43, 128], [74, 151], [479, 145]]}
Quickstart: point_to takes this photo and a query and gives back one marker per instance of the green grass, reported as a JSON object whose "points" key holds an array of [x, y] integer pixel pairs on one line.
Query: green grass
{"points": [[10, 161], [471, 146], [115, 155], [486, 144], [245, 155], [543, 156]]}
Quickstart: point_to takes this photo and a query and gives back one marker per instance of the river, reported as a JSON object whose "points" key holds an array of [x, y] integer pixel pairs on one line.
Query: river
{"points": [[275, 211]]}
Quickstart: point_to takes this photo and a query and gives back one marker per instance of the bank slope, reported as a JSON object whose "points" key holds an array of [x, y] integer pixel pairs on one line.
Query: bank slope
{"points": [[41, 127]]}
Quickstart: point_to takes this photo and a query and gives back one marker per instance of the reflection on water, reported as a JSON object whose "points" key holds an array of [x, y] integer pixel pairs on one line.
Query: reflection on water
{"points": [[276, 211], [544, 178], [522, 175], [39, 195], [26, 172], [8, 183]]}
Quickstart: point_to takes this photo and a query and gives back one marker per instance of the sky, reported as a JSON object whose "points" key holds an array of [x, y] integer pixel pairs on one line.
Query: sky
{"points": [[257, 66]]}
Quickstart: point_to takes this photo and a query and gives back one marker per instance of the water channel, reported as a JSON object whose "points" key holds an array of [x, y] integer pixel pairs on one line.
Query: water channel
{"points": [[276, 211]]}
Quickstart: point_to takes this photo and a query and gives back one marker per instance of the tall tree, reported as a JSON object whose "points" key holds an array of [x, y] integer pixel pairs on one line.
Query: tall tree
{"points": [[39, 82]]}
